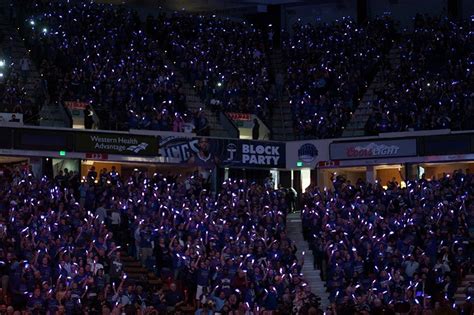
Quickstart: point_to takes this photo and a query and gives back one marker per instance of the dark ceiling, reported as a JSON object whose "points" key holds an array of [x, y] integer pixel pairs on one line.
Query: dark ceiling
{"points": [[205, 5]]}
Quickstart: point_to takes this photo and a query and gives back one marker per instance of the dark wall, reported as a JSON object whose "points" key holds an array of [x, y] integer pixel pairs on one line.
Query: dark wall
{"points": [[252, 175], [405, 10]]}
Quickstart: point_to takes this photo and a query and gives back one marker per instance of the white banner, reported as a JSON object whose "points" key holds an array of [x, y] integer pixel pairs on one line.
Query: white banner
{"points": [[12, 118]]}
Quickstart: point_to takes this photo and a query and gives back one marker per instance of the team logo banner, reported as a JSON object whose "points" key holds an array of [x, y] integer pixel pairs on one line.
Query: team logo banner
{"points": [[306, 154], [208, 152]]}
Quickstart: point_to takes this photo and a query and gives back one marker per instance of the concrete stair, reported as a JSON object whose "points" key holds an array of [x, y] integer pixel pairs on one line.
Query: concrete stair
{"points": [[49, 115], [356, 126], [136, 273], [54, 116], [193, 103], [14, 49], [313, 276], [282, 122], [460, 295]]}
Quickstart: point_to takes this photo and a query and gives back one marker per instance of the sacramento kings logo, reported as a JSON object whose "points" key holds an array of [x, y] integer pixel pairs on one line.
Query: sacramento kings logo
{"points": [[307, 153]]}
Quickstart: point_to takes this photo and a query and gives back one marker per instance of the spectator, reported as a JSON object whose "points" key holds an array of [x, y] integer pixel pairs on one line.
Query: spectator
{"points": [[25, 65], [255, 129]]}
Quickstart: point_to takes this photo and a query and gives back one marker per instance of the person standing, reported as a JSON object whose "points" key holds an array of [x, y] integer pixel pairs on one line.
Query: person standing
{"points": [[115, 221], [255, 129], [88, 118], [279, 84], [25, 65]]}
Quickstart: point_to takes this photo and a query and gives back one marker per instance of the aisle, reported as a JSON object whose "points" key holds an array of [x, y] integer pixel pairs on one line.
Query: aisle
{"points": [[295, 233]]}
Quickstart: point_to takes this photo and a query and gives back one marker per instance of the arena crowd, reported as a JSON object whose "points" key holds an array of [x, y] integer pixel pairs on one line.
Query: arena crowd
{"points": [[402, 250], [329, 67], [62, 241], [127, 69], [432, 87]]}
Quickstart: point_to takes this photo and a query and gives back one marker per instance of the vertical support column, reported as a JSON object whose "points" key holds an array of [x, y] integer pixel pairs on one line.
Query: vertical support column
{"points": [[362, 11], [411, 171], [371, 174], [454, 9], [297, 185], [285, 178], [37, 166], [314, 176]]}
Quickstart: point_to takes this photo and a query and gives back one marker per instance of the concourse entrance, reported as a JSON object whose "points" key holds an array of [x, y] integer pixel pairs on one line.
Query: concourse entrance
{"points": [[379, 173]]}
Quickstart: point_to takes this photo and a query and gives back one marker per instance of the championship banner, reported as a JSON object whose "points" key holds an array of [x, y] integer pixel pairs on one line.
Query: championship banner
{"points": [[211, 152]]}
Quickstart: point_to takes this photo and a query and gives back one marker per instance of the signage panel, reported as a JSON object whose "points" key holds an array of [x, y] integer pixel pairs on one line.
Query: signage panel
{"points": [[239, 116], [373, 149], [124, 144], [97, 156], [37, 139], [449, 144], [225, 152], [73, 105]]}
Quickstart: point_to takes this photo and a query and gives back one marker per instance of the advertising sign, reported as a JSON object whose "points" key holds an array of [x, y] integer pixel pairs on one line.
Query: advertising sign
{"points": [[373, 149], [97, 156], [125, 144], [72, 105], [239, 116], [224, 152]]}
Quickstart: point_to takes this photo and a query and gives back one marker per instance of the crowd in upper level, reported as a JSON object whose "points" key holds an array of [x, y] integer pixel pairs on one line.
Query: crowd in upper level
{"points": [[329, 66], [167, 71], [432, 86]]}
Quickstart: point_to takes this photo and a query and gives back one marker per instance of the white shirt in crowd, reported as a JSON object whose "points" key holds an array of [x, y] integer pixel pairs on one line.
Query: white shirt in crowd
{"points": [[101, 212], [115, 217]]}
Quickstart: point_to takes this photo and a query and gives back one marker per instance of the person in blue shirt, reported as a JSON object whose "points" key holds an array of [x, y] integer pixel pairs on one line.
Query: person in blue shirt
{"points": [[36, 302], [206, 309], [202, 278], [219, 300], [271, 300], [146, 245], [174, 298]]}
